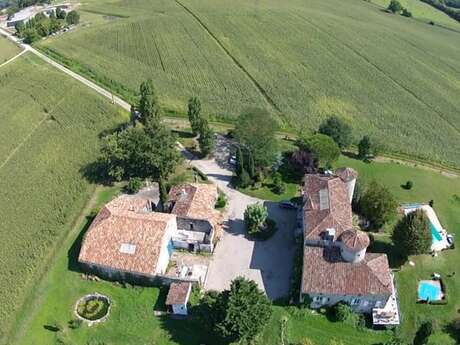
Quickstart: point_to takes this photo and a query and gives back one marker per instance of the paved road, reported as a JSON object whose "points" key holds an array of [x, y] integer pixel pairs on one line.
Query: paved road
{"points": [[268, 263]]}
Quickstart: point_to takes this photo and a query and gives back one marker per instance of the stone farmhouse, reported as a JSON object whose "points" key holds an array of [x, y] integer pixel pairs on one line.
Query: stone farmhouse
{"points": [[336, 267], [129, 240]]}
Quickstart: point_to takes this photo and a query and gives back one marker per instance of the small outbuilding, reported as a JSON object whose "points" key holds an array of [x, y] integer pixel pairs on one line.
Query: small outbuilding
{"points": [[178, 296]]}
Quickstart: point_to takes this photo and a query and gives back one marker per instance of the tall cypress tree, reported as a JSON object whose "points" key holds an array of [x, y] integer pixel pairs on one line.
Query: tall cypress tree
{"points": [[239, 162], [149, 108]]}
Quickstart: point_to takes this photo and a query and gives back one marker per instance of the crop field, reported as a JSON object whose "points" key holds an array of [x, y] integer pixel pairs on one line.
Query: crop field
{"points": [[394, 78], [7, 49], [424, 12], [49, 133]]}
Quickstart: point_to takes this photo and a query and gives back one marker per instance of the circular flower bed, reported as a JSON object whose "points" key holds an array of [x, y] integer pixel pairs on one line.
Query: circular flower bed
{"points": [[93, 308]]}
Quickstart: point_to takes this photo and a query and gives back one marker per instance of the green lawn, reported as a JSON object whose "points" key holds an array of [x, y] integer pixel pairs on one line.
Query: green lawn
{"points": [[7, 49], [427, 185], [48, 135]]}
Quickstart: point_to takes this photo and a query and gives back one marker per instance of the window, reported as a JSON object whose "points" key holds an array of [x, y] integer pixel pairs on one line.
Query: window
{"points": [[317, 299], [324, 199], [355, 301], [191, 226], [128, 248]]}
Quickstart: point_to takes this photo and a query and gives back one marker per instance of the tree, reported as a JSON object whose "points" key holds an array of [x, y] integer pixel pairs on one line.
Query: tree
{"points": [[255, 130], [73, 18], [251, 165], [338, 130], [409, 184], [364, 147], [194, 110], [412, 234], [135, 152], [206, 138], [324, 149], [378, 205], [163, 192], [60, 14], [395, 6], [30, 35], [244, 180], [406, 13], [239, 162], [255, 216], [247, 311], [149, 108]]}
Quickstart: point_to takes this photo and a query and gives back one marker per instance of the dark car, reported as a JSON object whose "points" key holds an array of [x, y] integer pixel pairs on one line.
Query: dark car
{"points": [[288, 205]]}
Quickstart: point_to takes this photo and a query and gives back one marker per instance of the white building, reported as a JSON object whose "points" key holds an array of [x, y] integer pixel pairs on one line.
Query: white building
{"points": [[178, 296], [336, 265]]}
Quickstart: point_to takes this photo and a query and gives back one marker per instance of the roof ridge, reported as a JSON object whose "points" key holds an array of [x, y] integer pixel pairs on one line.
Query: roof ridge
{"points": [[372, 269]]}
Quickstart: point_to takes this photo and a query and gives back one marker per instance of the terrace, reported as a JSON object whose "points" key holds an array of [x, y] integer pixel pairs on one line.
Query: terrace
{"points": [[389, 314]]}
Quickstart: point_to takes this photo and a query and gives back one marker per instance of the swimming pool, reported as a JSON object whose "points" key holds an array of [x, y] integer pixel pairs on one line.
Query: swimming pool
{"points": [[429, 290], [435, 234]]}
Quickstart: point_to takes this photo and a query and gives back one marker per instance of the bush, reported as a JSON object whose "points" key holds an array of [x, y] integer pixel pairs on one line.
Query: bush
{"points": [[94, 308], [244, 180], [395, 6], [134, 185], [255, 216], [279, 187], [266, 231], [338, 130], [406, 13], [221, 201], [75, 323], [408, 185], [342, 312]]}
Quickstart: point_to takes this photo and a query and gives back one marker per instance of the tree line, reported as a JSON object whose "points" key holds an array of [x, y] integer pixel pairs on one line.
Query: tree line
{"points": [[42, 25]]}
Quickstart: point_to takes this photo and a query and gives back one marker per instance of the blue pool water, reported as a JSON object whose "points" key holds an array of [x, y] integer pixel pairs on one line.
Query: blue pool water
{"points": [[435, 235], [429, 291]]}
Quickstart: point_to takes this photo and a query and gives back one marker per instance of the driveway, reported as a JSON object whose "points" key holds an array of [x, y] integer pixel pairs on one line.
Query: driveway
{"points": [[268, 263]]}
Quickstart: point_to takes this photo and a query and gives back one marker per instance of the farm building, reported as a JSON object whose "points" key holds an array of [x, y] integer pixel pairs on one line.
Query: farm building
{"points": [[178, 296], [193, 205], [128, 240], [336, 267], [22, 16]]}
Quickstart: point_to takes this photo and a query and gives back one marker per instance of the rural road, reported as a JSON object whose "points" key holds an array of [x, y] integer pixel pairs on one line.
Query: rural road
{"points": [[90, 84]]}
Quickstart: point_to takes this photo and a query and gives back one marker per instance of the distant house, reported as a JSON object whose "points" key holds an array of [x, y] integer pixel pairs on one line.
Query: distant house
{"points": [[336, 267], [22, 17], [128, 240], [193, 204], [178, 296]]}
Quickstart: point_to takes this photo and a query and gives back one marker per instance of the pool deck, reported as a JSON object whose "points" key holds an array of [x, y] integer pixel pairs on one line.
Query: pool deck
{"points": [[436, 246]]}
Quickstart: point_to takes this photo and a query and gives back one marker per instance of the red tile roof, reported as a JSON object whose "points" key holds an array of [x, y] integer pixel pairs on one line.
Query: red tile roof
{"points": [[178, 293], [125, 236], [194, 200], [355, 240], [336, 209], [346, 174], [326, 272]]}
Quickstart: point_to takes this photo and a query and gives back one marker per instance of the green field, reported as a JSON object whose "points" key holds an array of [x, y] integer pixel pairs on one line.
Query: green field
{"points": [[392, 77], [424, 12], [7, 49], [49, 133]]}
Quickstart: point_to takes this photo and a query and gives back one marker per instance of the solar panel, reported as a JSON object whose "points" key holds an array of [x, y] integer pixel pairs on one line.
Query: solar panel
{"points": [[324, 199], [127, 248]]}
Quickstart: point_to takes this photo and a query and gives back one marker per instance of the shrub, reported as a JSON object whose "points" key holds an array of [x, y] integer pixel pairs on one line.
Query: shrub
{"points": [[93, 308], [342, 312], [221, 201], [279, 187], [395, 6], [244, 180], [409, 185], [75, 323], [255, 216], [134, 185], [406, 13], [423, 333]]}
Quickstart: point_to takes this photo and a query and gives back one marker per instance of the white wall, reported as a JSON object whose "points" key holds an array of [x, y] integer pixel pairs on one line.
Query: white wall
{"points": [[363, 304], [163, 258], [180, 309]]}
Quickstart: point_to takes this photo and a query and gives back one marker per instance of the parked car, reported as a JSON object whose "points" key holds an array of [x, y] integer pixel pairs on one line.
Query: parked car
{"points": [[288, 205], [232, 160]]}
